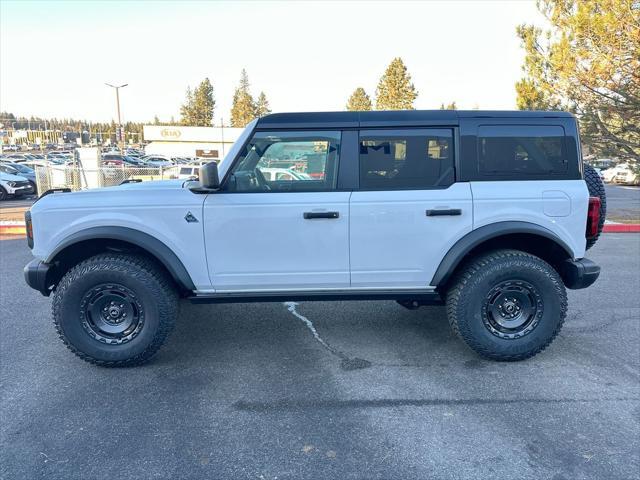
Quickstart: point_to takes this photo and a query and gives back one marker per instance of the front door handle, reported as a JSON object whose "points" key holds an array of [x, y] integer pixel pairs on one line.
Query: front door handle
{"points": [[312, 215], [444, 211]]}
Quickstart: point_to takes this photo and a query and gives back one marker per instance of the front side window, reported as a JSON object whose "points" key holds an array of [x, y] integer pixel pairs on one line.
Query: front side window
{"points": [[521, 150], [406, 159], [287, 161]]}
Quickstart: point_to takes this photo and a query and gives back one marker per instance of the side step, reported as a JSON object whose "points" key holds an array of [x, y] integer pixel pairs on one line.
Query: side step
{"points": [[422, 297]]}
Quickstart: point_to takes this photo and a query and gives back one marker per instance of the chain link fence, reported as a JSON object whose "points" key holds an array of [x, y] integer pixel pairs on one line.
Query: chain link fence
{"points": [[77, 178]]}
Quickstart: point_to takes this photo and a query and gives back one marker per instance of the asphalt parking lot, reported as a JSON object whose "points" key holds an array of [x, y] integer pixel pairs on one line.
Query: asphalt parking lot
{"points": [[623, 203], [247, 391]]}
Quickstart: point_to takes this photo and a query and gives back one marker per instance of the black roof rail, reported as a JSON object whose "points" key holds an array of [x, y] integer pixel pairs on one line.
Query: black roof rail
{"points": [[131, 180]]}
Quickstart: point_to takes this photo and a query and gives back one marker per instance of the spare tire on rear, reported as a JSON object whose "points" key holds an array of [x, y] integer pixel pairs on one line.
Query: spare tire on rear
{"points": [[596, 189]]}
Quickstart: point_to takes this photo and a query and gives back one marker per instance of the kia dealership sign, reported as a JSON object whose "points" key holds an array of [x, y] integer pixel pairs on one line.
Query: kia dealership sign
{"points": [[170, 133], [190, 134]]}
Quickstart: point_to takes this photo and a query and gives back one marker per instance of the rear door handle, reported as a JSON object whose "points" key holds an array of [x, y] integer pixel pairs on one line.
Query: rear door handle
{"points": [[444, 211], [312, 215]]}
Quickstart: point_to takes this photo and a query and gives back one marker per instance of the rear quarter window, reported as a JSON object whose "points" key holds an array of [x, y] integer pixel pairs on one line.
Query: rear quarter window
{"points": [[521, 150]]}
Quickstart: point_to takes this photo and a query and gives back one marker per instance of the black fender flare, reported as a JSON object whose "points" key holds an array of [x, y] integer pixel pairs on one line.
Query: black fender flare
{"points": [[480, 235], [152, 245]]}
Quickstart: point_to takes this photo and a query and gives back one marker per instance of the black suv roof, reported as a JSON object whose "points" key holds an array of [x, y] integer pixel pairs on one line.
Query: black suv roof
{"points": [[395, 118]]}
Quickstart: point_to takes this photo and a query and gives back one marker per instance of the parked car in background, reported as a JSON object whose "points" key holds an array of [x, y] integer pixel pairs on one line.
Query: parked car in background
{"points": [[182, 160], [623, 174], [283, 174], [125, 160], [133, 152], [13, 185], [59, 157], [627, 176], [17, 157], [20, 170], [188, 171], [157, 161]]}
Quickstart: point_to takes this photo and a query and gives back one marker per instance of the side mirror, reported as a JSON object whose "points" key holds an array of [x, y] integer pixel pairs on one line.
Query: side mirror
{"points": [[209, 176]]}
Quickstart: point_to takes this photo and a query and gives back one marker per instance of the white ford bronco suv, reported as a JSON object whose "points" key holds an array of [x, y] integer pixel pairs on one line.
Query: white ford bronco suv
{"points": [[488, 213]]}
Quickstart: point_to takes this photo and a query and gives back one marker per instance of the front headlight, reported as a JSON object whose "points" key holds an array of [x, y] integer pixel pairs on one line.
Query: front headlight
{"points": [[11, 184]]}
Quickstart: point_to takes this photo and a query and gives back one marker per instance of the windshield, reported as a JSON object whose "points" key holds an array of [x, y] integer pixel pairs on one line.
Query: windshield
{"points": [[22, 168], [235, 149]]}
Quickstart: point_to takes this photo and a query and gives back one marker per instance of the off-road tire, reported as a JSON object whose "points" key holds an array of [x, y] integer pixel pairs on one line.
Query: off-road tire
{"points": [[465, 303], [150, 286], [596, 189]]}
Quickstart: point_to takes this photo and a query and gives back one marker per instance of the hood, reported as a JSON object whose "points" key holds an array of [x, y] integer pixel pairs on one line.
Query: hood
{"points": [[121, 196], [8, 177], [155, 184]]}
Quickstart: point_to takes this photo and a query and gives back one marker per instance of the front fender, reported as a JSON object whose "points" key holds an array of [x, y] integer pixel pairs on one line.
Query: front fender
{"points": [[143, 240]]}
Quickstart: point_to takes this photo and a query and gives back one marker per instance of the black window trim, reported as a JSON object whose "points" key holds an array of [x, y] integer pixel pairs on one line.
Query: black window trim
{"points": [[455, 145], [469, 154], [225, 180]]}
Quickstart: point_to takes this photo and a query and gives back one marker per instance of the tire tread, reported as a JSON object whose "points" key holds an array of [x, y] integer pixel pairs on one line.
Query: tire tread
{"points": [[457, 297], [130, 264]]}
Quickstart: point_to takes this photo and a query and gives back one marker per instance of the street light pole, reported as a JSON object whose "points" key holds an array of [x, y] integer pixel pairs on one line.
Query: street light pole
{"points": [[117, 88]]}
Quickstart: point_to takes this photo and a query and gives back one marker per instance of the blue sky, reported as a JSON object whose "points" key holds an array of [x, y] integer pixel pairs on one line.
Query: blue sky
{"points": [[306, 56]]}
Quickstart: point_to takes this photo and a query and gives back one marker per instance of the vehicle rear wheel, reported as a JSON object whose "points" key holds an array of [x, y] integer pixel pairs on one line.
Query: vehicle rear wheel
{"points": [[596, 189], [115, 310], [507, 305]]}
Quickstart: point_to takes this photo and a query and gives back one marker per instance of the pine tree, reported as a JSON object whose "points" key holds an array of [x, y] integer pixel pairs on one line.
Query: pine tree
{"points": [[395, 90], [359, 101], [204, 104], [588, 63], [186, 110], [262, 105], [197, 111], [451, 106], [243, 109]]}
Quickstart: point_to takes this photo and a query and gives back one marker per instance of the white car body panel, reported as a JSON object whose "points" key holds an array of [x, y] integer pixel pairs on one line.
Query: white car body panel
{"points": [[155, 208], [260, 241], [558, 205], [381, 240], [394, 244]]}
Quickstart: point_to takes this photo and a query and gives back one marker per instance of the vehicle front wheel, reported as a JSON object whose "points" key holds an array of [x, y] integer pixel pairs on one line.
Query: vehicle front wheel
{"points": [[3, 193], [115, 310], [507, 305]]}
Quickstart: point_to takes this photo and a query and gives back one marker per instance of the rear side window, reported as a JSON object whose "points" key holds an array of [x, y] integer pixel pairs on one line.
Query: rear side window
{"points": [[406, 159], [521, 150]]}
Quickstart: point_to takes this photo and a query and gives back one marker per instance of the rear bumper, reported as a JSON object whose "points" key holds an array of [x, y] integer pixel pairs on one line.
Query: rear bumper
{"points": [[35, 274], [579, 273]]}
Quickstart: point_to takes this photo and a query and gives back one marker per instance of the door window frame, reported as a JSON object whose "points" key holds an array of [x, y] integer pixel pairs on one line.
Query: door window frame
{"points": [[337, 167], [398, 131]]}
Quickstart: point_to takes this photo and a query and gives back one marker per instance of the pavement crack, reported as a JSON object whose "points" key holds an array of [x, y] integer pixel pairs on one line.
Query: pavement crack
{"points": [[346, 362]]}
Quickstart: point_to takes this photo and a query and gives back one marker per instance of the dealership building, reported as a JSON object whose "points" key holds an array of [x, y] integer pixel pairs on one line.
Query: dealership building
{"points": [[178, 141]]}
